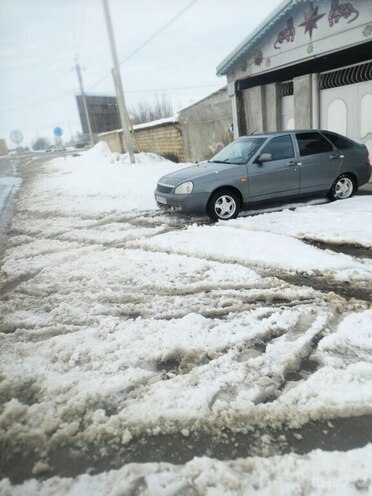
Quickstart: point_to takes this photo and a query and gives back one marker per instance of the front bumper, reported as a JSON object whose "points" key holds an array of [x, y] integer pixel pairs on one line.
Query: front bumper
{"points": [[195, 203]]}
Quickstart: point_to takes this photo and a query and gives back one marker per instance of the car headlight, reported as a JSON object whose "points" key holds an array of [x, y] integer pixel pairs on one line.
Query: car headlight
{"points": [[184, 188]]}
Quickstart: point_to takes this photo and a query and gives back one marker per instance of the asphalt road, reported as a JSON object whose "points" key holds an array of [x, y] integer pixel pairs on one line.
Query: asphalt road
{"points": [[13, 169]]}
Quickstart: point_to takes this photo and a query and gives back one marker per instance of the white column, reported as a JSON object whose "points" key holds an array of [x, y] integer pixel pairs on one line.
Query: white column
{"points": [[315, 99]]}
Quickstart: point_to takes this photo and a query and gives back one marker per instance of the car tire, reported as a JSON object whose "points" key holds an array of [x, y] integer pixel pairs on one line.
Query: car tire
{"points": [[223, 205], [344, 187]]}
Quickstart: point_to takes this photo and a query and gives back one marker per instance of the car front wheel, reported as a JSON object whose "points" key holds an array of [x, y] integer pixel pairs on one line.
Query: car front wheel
{"points": [[223, 205], [342, 188]]}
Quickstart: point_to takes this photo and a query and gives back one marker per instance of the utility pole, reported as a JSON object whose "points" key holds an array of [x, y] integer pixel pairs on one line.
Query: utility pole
{"points": [[124, 118], [87, 118]]}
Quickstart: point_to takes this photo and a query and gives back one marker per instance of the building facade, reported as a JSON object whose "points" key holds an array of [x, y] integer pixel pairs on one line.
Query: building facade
{"points": [[205, 126], [309, 65], [103, 113], [196, 133]]}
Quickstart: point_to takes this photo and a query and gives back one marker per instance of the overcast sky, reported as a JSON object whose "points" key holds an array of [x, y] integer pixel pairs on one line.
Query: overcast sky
{"points": [[39, 41]]}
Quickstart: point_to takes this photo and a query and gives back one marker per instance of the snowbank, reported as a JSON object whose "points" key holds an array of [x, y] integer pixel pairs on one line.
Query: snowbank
{"points": [[338, 222], [229, 244], [99, 181]]}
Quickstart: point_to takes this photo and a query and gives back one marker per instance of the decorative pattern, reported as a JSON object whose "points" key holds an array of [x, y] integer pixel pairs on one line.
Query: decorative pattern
{"points": [[367, 31], [244, 66], [286, 34], [311, 19], [310, 48], [344, 10], [268, 62], [258, 58]]}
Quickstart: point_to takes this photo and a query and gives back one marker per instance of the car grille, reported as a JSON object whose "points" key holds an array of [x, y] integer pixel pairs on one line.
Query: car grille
{"points": [[162, 188]]}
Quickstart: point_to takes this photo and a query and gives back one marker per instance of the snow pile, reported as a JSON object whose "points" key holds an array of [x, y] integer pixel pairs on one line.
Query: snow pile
{"points": [[99, 181], [342, 385], [338, 222], [351, 342], [229, 244], [320, 473]]}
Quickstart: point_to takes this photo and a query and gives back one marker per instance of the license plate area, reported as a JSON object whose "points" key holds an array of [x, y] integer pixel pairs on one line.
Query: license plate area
{"points": [[161, 199]]}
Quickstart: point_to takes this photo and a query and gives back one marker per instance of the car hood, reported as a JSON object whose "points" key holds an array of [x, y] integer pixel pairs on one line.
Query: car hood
{"points": [[194, 172]]}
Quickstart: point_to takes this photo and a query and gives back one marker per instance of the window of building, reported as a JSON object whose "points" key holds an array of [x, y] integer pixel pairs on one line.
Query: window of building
{"points": [[280, 147], [312, 143]]}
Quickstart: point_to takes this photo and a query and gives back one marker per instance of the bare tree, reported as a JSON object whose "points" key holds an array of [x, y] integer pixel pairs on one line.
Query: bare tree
{"points": [[146, 111], [40, 144], [162, 107]]}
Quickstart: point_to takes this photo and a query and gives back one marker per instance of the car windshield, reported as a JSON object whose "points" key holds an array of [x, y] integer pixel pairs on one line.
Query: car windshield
{"points": [[238, 152]]}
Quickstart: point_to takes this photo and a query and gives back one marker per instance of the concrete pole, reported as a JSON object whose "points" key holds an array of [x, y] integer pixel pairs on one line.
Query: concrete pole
{"points": [[231, 89], [124, 118], [87, 118], [315, 97]]}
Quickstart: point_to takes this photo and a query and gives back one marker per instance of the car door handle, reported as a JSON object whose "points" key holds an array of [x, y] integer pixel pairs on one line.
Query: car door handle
{"points": [[291, 163], [334, 155]]}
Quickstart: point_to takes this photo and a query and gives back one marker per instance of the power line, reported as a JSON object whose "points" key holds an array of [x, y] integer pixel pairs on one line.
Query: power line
{"points": [[149, 90], [146, 42], [100, 80], [134, 52], [174, 89], [159, 31], [35, 104]]}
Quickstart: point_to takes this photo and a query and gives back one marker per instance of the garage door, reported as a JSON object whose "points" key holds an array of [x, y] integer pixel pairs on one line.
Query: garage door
{"points": [[348, 110]]}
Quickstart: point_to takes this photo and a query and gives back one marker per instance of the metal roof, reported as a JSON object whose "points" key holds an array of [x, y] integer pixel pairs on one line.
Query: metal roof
{"points": [[259, 32]]}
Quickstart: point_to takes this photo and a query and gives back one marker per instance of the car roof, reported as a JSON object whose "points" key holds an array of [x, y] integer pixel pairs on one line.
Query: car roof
{"points": [[275, 133]]}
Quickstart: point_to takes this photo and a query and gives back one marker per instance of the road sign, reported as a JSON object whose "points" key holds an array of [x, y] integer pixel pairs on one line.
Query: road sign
{"points": [[16, 136], [58, 131]]}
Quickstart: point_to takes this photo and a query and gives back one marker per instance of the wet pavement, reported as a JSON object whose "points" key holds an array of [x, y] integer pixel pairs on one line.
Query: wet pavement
{"points": [[340, 434]]}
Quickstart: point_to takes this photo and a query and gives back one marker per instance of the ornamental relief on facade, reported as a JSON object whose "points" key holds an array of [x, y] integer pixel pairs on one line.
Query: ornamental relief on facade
{"points": [[310, 29]]}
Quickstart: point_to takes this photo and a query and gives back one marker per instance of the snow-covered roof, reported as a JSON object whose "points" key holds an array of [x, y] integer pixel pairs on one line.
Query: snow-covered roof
{"points": [[159, 122], [243, 48], [110, 132]]}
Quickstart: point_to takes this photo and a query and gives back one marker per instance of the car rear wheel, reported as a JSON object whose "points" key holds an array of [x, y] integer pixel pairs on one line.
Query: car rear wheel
{"points": [[344, 187], [223, 205]]}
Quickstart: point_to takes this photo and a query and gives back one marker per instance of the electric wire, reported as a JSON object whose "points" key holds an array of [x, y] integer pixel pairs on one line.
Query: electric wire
{"points": [[130, 55]]}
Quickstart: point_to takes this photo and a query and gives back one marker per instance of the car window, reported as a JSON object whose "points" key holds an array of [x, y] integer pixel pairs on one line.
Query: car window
{"points": [[280, 147], [339, 141], [239, 151], [312, 143]]}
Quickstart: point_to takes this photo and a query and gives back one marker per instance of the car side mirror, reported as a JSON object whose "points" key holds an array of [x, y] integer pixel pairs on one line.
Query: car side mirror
{"points": [[264, 157]]}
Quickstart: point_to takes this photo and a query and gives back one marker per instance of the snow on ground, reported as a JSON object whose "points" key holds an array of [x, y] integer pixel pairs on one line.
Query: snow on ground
{"points": [[229, 244], [121, 322], [98, 182], [341, 384], [319, 473], [338, 222]]}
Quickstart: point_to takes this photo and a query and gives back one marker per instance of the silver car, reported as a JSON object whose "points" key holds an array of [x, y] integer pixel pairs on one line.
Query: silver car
{"points": [[265, 167]]}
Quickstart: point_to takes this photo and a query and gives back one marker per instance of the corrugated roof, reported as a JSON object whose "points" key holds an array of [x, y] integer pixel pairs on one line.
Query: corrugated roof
{"points": [[258, 33]]}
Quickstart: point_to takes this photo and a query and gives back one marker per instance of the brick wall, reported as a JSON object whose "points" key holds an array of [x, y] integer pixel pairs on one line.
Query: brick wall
{"points": [[114, 140], [164, 139]]}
